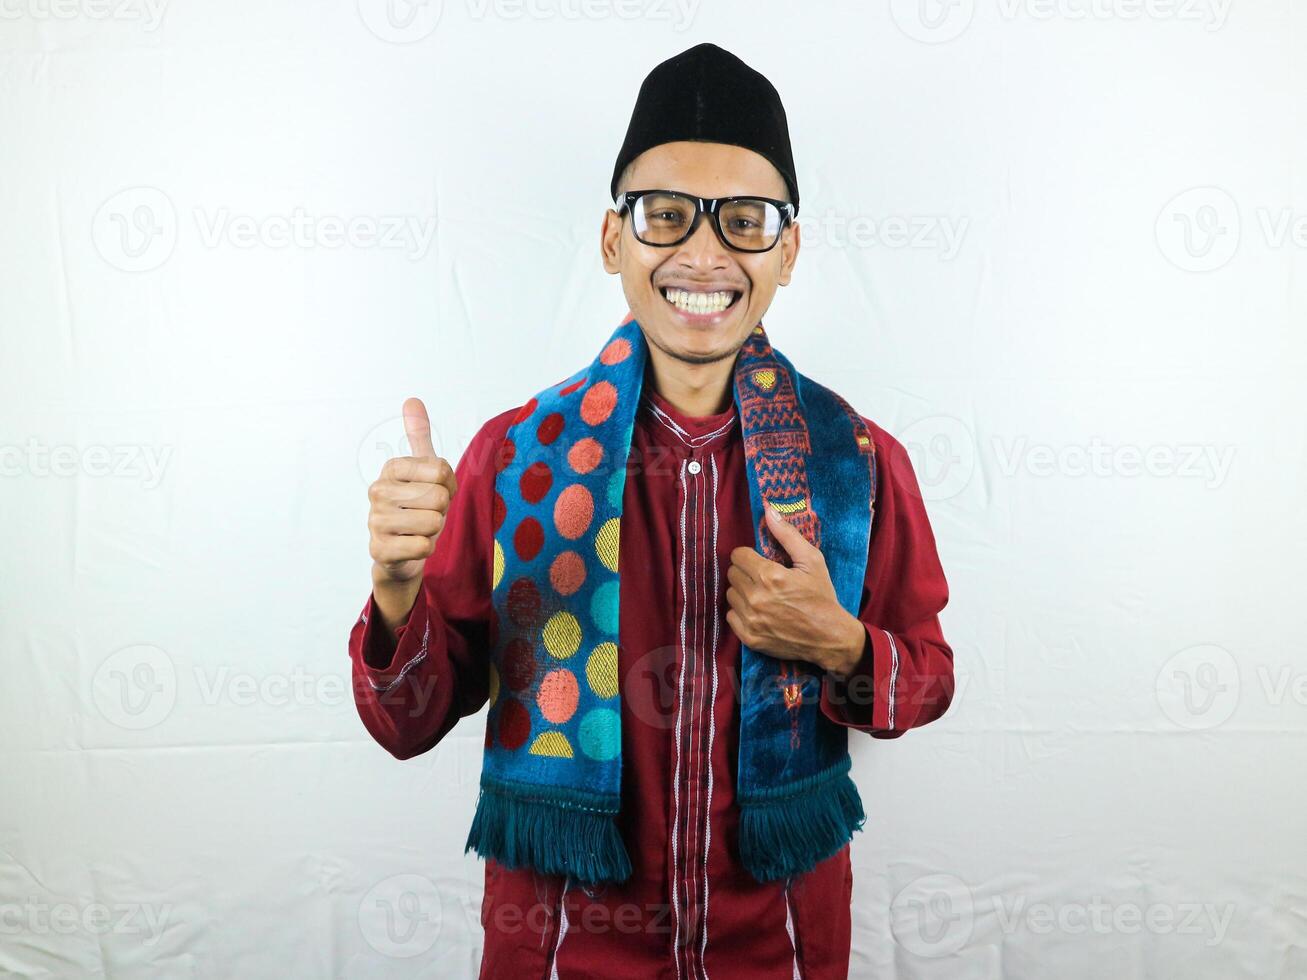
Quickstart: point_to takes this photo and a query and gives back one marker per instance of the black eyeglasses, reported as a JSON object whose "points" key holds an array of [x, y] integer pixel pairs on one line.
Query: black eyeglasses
{"points": [[664, 218]]}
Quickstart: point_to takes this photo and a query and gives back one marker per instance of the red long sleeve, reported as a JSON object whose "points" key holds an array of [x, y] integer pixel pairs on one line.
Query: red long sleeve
{"points": [[411, 693], [905, 677]]}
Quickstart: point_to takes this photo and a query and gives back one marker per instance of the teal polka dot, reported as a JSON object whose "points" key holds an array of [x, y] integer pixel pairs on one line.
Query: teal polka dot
{"points": [[601, 734], [603, 607], [616, 484]]}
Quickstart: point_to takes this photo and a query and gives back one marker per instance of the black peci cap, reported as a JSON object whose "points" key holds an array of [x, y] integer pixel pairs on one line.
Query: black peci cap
{"points": [[706, 93]]}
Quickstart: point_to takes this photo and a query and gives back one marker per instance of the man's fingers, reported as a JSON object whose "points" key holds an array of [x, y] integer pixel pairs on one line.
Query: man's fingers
{"points": [[789, 537], [738, 601], [425, 469], [749, 561], [426, 523], [400, 547], [414, 496], [417, 427], [738, 577]]}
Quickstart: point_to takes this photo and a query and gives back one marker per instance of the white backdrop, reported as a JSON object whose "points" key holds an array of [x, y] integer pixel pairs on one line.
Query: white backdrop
{"points": [[1055, 246]]}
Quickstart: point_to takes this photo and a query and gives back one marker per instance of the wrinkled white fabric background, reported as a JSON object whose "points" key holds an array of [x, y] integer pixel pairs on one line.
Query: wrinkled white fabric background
{"points": [[1055, 246]]}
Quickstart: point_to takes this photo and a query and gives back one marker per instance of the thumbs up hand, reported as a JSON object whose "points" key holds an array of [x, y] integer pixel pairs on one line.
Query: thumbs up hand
{"points": [[791, 613], [409, 502]]}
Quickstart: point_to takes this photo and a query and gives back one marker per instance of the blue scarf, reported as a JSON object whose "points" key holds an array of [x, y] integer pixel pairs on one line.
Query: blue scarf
{"points": [[551, 774]]}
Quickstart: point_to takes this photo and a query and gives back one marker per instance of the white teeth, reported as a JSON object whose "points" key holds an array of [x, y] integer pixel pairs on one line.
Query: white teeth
{"points": [[690, 302]]}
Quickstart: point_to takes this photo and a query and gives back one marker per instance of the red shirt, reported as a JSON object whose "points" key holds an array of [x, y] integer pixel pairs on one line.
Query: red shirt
{"points": [[690, 909]]}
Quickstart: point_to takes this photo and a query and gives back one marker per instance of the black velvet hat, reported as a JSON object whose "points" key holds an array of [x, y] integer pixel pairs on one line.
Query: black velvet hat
{"points": [[706, 93]]}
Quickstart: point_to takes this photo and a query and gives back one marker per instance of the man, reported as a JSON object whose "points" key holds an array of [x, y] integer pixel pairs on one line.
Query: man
{"points": [[678, 578]]}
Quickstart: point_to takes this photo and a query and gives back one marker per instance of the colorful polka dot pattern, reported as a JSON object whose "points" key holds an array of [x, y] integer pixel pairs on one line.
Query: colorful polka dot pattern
{"points": [[554, 724], [557, 519]]}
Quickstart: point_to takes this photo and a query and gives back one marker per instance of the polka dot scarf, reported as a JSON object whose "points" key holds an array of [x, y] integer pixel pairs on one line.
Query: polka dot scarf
{"points": [[551, 776]]}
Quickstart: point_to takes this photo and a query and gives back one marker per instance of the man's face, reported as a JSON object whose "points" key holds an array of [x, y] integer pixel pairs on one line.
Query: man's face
{"points": [[701, 263]]}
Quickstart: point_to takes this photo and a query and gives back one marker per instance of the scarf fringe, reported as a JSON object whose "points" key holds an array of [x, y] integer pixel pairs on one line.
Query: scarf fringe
{"points": [[788, 834], [554, 838]]}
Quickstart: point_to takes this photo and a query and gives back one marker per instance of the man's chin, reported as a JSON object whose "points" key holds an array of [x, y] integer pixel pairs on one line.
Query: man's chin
{"points": [[697, 351]]}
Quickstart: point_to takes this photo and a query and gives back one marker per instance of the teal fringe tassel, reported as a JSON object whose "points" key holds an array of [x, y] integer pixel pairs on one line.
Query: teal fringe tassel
{"points": [[554, 838], [788, 830]]}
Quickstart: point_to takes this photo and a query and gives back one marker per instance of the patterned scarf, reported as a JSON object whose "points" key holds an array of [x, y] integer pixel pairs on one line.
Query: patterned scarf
{"points": [[551, 774]]}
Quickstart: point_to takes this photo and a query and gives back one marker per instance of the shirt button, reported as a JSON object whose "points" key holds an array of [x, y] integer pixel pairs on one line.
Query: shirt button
{"points": [[694, 467]]}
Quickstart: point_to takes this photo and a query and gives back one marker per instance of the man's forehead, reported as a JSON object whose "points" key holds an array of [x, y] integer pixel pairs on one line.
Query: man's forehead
{"points": [[706, 169]]}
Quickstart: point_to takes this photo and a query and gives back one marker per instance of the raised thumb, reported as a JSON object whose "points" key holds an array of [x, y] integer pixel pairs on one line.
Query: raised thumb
{"points": [[418, 428]]}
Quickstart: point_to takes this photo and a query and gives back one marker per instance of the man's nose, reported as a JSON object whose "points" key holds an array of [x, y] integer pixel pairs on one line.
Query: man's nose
{"points": [[703, 248]]}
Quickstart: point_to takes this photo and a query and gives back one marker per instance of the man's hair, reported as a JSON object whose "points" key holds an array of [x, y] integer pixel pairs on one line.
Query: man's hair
{"points": [[626, 176]]}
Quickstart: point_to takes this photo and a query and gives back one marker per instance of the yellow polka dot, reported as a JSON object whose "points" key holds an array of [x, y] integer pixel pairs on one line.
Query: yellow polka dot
{"points": [[499, 564], [606, 543], [562, 635], [552, 744], [601, 670], [494, 684]]}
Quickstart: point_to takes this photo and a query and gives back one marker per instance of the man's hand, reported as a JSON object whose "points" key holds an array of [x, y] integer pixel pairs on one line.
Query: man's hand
{"points": [[409, 502], [791, 613]]}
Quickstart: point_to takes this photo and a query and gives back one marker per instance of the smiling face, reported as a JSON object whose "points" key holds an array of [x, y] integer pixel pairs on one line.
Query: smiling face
{"points": [[671, 290]]}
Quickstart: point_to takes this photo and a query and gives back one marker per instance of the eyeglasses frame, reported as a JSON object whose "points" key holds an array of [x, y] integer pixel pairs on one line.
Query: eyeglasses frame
{"points": [[706, 205]]}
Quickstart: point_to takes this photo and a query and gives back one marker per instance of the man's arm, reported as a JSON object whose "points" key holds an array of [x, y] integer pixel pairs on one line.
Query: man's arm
{"points": [[904, 677], [414, 682]]}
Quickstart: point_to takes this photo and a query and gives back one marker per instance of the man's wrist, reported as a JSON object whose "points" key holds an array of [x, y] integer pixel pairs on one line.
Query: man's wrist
{"points": [[845, 657], [395, 600]]}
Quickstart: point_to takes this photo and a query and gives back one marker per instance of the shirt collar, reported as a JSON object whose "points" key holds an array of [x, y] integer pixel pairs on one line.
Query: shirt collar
{"points": [[670, 426]]}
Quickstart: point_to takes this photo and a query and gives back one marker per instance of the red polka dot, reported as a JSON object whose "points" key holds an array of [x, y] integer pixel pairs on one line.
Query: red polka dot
{"points": [[616, 352], [536, 481], [598, 402], [524, 602], [519, 664], [567, 573], [573, 511], [574, 386], [550, 428], [505, 455], [525, 411], [585, 455], [498, 511], [528, 539], [514, 725], [489, 739]]}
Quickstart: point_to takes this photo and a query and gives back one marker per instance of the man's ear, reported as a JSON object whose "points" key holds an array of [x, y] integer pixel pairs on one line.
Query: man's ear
{"points": [[789, 246], [610, 242]]}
